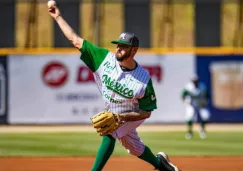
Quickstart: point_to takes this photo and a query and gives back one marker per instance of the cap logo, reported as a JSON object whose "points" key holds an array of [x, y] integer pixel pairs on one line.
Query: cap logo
{"points": [[123, 36]]}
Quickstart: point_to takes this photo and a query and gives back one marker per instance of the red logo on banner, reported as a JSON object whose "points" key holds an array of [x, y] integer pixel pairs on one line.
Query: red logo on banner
{"points": [[55, 74], [85, 75], [155, 72]]}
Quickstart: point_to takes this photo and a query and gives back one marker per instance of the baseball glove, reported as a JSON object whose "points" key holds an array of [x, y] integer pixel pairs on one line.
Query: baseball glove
{"points": [[105, 122]]}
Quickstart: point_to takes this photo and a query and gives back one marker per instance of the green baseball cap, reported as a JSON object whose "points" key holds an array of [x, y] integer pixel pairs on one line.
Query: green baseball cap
{"points": [[127, 39]]}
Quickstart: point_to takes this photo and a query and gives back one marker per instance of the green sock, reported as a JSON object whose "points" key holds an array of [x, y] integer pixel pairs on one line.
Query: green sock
{"points": [[189, 126], [203, 125], [149, 157], [106, 148]]}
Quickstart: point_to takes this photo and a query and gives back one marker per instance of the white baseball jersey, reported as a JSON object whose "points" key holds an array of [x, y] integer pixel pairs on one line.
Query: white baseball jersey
{"points": [[122, 91], [196, 97]]}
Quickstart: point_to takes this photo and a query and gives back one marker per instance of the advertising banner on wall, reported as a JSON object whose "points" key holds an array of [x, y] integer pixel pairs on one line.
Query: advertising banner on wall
{"points": [[223, 74], [61, 89], [3, 89]]}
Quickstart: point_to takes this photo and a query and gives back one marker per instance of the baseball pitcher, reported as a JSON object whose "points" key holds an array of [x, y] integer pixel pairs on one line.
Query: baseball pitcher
{"points": [[127, 91]]}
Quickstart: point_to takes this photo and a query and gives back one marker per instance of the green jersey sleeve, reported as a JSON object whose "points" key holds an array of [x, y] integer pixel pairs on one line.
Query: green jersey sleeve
{"points": [[184, 93], [92, 55], [148, 101]]}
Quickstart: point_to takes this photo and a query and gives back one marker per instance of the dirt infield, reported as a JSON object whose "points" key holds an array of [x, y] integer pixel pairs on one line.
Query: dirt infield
{"points": [[118, 164]]}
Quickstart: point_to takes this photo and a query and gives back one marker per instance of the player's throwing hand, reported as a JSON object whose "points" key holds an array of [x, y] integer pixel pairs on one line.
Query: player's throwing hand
{"points": [[53, 10]]}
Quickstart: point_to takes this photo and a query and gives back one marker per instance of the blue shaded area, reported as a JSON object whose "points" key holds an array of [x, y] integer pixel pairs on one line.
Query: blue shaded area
{"points": [[203, 70]]}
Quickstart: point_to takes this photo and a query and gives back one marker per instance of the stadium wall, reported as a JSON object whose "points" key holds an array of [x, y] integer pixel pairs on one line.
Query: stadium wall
{"points": [[55, 87]]}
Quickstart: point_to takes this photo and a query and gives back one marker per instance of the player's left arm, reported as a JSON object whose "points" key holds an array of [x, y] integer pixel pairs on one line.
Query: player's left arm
{"points": [[135, 116], [207, 96], [207, 93], [146, 105]]}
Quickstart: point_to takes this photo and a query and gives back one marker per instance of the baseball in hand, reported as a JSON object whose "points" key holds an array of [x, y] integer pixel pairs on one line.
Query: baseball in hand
{"points": [[51, 3]]}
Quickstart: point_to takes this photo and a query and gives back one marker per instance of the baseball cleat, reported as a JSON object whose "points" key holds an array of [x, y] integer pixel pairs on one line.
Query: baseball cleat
{"points": [[188, 135], [166, 165], [203, 134]]}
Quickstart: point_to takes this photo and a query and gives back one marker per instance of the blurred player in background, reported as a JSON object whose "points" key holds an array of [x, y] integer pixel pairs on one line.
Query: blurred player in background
{"points": [[126, 89], [195, 97]]}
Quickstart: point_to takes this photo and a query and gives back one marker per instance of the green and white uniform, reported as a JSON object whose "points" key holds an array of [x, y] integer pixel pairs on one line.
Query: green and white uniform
{"points": [[196, 99], [122, 91]]}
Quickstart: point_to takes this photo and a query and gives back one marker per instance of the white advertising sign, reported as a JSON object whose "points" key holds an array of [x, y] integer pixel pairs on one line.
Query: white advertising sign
{"points": [[47, 89], [51, 89]]}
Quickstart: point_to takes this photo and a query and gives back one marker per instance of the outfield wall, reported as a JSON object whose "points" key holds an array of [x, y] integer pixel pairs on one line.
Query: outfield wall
{"points": [[56, 88]]}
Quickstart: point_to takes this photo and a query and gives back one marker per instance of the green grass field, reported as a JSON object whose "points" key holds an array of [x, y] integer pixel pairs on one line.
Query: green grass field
{"points": [[86, 144]]}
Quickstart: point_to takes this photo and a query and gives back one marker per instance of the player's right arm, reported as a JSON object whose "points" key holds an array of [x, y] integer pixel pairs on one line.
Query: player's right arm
{"points": [[184, 93], [92, 55], [70, 34]]}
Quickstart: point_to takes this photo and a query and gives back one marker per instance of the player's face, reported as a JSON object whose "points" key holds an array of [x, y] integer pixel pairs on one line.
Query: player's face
{"points": [[123, 52]]}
